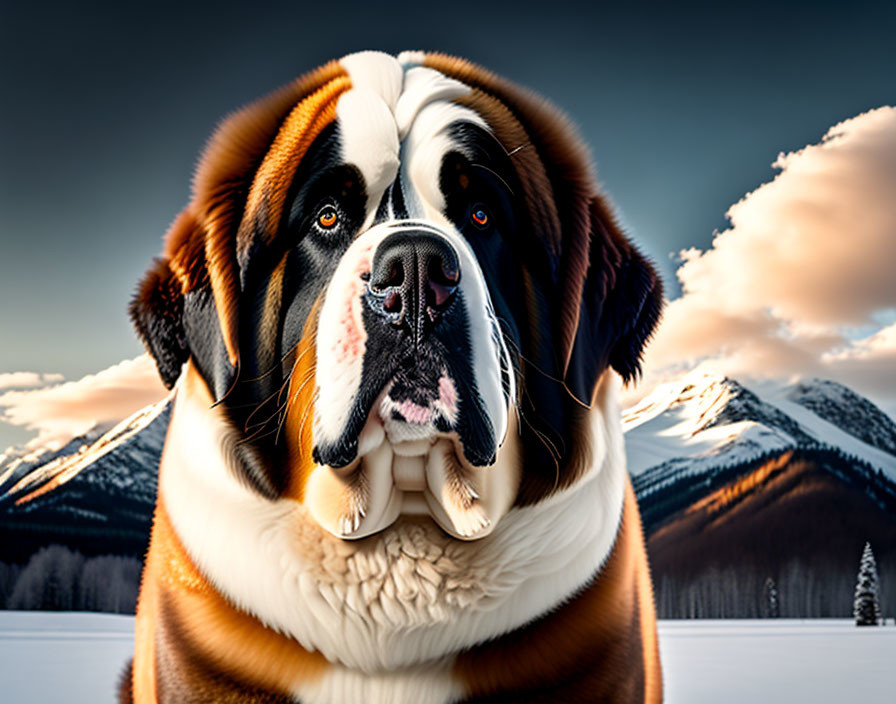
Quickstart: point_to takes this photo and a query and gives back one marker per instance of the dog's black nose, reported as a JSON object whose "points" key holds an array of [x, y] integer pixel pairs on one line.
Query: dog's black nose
{"points": [[414, 278]]}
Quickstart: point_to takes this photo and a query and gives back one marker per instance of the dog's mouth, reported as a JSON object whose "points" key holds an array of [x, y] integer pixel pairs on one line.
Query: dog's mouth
{"points": [[415, 405], [411, 461]]}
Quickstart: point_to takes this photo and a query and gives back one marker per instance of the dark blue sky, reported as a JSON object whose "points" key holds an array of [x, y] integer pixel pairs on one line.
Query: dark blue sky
{"points": [[103, 110]]}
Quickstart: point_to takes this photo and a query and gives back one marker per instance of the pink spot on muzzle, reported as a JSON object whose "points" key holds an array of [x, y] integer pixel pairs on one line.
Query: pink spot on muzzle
{"points": [[352, 338], [447, 394], [414, 413]]}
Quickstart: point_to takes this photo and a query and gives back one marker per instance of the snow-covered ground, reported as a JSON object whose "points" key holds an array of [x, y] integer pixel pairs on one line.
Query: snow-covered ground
{"points": [[824, 661], [77, 658]]}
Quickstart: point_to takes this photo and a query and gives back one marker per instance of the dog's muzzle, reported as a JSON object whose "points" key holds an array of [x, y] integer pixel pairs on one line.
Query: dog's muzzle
{"points": [[417, 436]]}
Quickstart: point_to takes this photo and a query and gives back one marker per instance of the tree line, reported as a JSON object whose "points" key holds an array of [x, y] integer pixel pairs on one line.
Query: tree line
{"points": [[59, 579], [799, 590]]}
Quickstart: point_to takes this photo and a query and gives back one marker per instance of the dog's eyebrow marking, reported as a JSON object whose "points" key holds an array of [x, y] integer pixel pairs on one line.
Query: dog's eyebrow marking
{"points": [[423, 86], [271, 184]]}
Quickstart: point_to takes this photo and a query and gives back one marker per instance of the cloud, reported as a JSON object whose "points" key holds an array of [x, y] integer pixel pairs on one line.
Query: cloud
{"points": [[817, 243], [27, 380], [60, 412], [808, 258]]}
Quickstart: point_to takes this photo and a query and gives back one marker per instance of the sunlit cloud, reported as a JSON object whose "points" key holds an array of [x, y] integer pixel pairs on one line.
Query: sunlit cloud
{"points": [[28, 380], [808, 257], [59, 412]]}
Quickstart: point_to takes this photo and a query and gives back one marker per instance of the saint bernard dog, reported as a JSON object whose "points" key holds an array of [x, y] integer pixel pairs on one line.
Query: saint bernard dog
{"points": [[395, 314]]}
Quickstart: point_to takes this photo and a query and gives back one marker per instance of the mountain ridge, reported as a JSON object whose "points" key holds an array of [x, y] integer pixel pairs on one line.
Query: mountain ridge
{"points": [[702, 422]]}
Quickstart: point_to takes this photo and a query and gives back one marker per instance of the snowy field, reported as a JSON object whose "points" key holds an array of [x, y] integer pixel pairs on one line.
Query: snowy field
{"points": [[76, 659], [823, 661]]}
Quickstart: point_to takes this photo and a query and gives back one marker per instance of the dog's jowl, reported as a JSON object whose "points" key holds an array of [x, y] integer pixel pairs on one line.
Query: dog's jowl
{"points": [[395, 315]]}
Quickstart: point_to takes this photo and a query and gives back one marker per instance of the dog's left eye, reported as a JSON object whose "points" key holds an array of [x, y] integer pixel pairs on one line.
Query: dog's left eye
{"points": [[327, 217], [479, 216]]}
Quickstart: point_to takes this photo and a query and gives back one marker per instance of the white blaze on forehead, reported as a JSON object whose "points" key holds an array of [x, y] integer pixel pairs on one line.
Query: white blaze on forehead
{"points": [[369, 138], [376, 72], [367, 130], [391, 103], [423, 86]]}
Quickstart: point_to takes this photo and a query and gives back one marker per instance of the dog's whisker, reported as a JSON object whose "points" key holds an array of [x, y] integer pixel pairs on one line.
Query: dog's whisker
{"points": [[261, 404], [309, 376], [495, 174]]}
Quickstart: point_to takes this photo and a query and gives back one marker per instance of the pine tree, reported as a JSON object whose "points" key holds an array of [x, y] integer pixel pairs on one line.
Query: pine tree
{"points": [[866, 604], [771, 599]]}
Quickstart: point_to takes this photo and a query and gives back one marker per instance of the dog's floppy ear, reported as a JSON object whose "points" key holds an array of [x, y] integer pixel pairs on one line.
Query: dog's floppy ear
{"points": [[188, 303], [158, 307], [157, 311], [174, 312], [619, 307]]}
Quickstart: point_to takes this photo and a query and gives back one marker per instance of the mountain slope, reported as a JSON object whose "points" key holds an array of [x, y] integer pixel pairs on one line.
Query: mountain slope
{"points": [[850, 412], [738, 486], [98, 499], [798, 519], [702, 423]]}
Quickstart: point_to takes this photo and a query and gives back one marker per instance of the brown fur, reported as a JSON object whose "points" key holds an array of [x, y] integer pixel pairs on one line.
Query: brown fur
{"points": [[203, 243], [300, 417], [599, 647], [191, 644]]}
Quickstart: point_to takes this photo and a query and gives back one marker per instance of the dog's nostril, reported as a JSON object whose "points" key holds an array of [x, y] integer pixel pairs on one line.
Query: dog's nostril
{"points": [[439, 294], [442, 271], [388, 274], [395, 277], [443, 279], [396, 274], [392, 302]]}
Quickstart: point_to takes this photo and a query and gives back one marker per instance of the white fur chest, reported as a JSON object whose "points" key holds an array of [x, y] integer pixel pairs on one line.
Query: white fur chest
{"points": [[403, 597]]}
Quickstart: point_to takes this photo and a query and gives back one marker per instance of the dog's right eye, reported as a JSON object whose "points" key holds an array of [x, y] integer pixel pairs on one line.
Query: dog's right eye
{"points": [[479, 216], [327, 217]]}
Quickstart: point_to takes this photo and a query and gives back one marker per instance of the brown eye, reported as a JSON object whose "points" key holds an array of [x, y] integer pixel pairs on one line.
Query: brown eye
{"points": [[327, 217], [479, 216]]}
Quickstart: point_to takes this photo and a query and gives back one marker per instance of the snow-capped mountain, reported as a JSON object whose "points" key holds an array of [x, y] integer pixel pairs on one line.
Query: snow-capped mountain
{"points": [[742, 483], [16, 462], [701, 423], [850, 412], [96, 494]]}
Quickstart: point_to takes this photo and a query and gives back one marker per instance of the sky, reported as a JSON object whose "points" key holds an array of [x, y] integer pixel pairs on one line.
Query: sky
{"points": [[707, 124]]}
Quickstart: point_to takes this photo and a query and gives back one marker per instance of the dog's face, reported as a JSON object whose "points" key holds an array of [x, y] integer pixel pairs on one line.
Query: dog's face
{"points": [[398, 280]]}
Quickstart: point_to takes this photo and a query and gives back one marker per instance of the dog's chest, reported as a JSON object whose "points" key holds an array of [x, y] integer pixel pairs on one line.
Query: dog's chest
{"points": [[429, 684], [409, 597]]}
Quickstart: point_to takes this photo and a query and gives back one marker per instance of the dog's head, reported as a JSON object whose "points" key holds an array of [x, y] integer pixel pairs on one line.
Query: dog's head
{"points": [[399, 281]]}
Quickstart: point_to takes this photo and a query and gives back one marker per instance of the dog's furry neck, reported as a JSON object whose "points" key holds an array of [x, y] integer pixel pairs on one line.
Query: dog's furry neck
{"points": [[407, 595]]}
